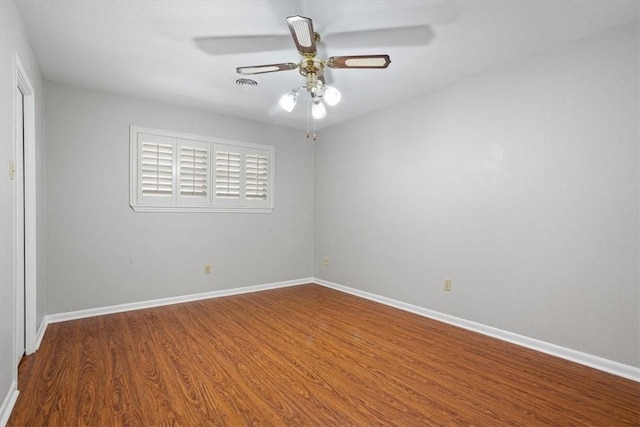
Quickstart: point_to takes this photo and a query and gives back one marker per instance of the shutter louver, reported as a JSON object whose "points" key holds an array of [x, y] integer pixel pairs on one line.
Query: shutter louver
{"points": [[227, 174], [193, 171], [257, 177], [156, 169]]}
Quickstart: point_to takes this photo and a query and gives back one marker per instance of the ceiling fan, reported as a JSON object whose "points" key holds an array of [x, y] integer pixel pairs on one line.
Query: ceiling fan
{"points": [[312, 68]]}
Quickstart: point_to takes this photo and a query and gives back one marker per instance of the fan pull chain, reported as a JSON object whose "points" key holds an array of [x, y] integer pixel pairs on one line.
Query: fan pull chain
{"points": [[308, 115], [314, 122], [314, 130]]}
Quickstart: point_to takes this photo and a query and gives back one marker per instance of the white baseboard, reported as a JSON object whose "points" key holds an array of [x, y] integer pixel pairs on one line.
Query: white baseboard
{"points": [[616, 368], [8, 403], [81, 314], [40, 334], [612, 367]]}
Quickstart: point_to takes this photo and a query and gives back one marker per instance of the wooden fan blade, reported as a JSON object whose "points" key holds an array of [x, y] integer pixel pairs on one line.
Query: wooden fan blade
{"points": [[362, 61], [270, 68], [303, 35]]}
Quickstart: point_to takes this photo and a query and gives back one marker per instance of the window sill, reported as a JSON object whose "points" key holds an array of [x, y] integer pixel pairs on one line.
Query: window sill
{"points": [[186, 209]]}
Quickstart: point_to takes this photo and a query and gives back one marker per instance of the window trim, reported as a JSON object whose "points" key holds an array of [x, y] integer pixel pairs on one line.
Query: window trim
{"points": [[212, 207]]}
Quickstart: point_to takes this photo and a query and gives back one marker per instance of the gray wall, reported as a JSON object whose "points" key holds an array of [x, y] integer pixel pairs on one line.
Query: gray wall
{"points": [[13, 39], [521, 185], [102, 253]]}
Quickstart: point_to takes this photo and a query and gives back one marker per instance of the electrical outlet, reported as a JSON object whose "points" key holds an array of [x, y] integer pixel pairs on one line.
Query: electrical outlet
{"points": [[447, 285], [326, 261], [207, 269]]}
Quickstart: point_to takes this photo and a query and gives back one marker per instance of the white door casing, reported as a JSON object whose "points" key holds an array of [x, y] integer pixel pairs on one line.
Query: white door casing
{"points": [[18, 176], [25, 253]]}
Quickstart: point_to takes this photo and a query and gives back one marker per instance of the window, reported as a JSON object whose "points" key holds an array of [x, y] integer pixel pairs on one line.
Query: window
{"points": [[185, 173]]}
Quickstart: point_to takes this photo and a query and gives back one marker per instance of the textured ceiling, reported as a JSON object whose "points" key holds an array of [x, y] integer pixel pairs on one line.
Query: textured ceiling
{"points": [[178, 51]]}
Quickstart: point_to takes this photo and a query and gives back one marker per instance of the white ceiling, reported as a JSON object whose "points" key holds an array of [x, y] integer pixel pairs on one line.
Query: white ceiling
{"points": [[162, 50]]}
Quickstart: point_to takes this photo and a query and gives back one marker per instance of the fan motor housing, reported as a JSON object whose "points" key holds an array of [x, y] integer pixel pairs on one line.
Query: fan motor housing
{"points": [[311, 66]]}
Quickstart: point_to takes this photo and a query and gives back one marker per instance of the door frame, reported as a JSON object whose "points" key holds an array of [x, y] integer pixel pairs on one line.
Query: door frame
{"points": [[26, 262], [17, 172]]}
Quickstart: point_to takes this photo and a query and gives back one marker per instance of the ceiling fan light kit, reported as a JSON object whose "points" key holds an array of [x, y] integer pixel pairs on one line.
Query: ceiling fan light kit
{"points": [[318, 110], [288, 100], [312, 68], [331, 95]]}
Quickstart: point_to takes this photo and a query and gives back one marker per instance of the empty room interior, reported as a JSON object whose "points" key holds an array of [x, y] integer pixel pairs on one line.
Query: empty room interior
{"points": [[319, 212]]}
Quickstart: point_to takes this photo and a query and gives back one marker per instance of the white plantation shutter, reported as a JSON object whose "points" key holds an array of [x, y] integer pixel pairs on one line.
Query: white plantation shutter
{"points": [[228, 174], [178, 172], [155, 169], [257, 179], [193, 173]]}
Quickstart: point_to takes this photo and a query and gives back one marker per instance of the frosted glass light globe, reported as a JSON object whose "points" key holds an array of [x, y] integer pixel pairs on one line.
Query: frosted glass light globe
{"points": [[318, 111], [288, 101], [331, 95]]}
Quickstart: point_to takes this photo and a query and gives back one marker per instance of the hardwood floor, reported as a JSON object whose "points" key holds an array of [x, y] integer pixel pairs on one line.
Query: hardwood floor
{"points": [[304, 355]]}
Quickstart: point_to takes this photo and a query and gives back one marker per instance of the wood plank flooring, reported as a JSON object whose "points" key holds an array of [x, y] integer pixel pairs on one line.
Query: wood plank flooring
{"points": [[299, 356]]}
